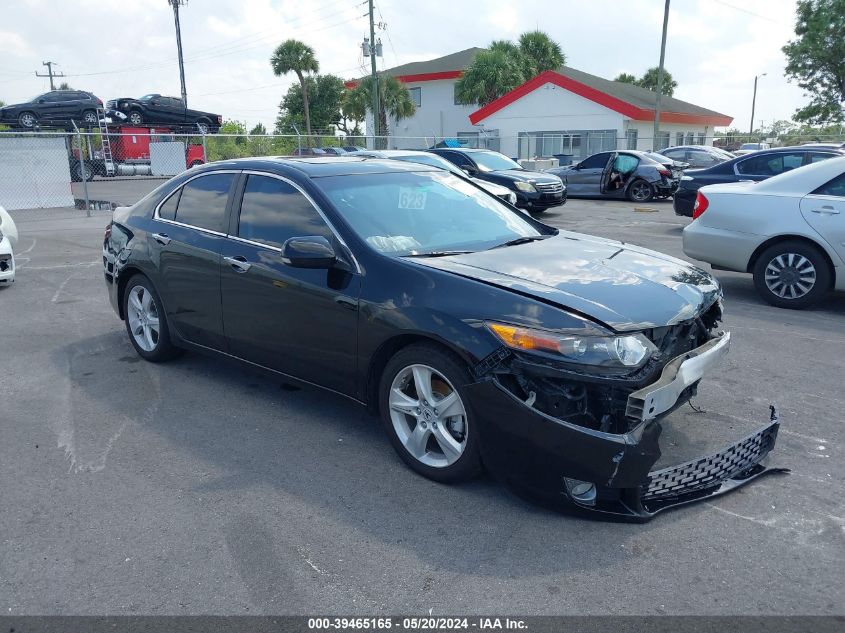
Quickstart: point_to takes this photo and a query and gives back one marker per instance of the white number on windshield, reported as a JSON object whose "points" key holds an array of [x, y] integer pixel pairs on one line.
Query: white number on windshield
{"points": [[411, 198]]}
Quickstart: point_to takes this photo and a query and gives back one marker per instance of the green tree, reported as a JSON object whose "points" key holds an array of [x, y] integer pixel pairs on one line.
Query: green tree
{"points": [[627, 78], [506, 65], [540, 53], [259, 129], [649, 81], [64, 86], [297, 57], [325, 94], [816, 59], [394, 100]]}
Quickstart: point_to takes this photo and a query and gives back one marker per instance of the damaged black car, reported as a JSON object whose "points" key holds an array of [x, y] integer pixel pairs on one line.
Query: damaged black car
{"points": [[483, 338]]}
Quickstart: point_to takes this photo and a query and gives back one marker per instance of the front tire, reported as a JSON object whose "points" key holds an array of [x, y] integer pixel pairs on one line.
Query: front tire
{"points": [[640, 191], [82, 171], [135, 118], [27, 120], [792, 274], [146, 323], [427, 415]]}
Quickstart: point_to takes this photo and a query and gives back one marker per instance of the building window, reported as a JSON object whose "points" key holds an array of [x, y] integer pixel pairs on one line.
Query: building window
{"points": [[690, 138], [663, 140], [631, 135], [416, 95], [565, 143], [679, 138], [701, 138]]}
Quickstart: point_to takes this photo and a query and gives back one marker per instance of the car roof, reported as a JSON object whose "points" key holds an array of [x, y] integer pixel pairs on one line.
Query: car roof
{"points": [[466, 150], [321, 166]]}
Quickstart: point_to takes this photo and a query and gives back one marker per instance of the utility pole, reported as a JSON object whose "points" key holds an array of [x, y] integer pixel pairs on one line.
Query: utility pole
{"points": [[660, 78], [50, 72], [175, 4], [376, 109], [754, 103]]}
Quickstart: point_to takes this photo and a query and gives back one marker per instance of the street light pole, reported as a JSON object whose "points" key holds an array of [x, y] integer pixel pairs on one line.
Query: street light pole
{"points": [[754, 103], [654, 142]]}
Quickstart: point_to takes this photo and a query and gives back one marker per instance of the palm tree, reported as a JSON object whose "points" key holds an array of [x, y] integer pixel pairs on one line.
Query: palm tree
{"points": [[298, 57], [394, 100], [627, 78], [539, 53], [490, 75]]}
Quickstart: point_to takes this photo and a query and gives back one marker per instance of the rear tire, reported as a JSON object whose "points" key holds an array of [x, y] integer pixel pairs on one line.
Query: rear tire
{"points": [[640, 191], [203, 127], [89, 117], [433, 428], [792, 274], [146, 322], [82, 171]]}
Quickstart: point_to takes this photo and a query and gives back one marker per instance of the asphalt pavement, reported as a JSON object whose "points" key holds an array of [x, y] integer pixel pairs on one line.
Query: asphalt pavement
{"points": [[202, 487]]}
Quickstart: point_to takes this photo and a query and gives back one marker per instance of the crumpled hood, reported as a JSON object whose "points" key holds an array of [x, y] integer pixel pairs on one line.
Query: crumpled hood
{"points": [[619, 285]]}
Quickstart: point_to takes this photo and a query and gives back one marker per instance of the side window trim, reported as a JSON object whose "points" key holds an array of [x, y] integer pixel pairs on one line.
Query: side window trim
{"points": [[157, 215], [236, 214], [819, 193]]}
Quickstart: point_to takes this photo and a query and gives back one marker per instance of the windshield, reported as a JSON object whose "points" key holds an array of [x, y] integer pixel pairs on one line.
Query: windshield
{"points": [[433, 160], [750, 146], [408, 213], [147, 97], [493, 161]]}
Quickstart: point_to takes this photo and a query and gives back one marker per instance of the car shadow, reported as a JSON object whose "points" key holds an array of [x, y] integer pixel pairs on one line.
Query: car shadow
{"points": [[253, 431]]}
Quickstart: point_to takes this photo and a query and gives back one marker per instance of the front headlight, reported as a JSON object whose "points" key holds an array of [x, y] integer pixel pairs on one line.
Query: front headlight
{"points": [[522, 185], [628, 351]]}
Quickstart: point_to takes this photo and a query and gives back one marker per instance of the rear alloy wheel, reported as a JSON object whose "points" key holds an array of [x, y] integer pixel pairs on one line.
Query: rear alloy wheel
{"points": [[27, 120], [145, 321], [427, 417], [202, 126], [89, 117], [640, 191], [792, 275], [82, 171], [135, 118]]}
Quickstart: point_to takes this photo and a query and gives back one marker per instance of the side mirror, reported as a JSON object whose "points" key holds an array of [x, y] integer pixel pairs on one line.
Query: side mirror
{"points": [[469, 171], [42, 101], [576, 166], [311, 251]]}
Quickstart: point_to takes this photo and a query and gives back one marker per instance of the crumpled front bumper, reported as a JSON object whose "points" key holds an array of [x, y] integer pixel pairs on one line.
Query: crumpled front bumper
{"points": [[536, 453]]}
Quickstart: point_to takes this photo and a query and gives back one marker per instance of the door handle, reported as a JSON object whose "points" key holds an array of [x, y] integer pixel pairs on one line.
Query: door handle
{"points": [[825, 210], [161, 238], [238, 263]]}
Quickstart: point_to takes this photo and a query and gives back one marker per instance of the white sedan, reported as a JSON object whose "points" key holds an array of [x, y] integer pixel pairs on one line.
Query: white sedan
{"points": [[788, 231], [8, 239]]}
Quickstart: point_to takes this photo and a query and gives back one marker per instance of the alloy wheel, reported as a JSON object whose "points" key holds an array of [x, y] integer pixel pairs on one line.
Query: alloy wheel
{"points": [[640, 191], [428, 416], [27, 119], [135, 118], [143, 318], [790, 275], [89, 117]]}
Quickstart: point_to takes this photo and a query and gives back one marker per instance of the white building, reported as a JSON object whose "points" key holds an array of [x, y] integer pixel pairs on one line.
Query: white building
{"points": [[564, 112]]}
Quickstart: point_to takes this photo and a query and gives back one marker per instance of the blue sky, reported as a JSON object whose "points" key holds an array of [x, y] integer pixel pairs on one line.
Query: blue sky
{"points": [[715, 47]]}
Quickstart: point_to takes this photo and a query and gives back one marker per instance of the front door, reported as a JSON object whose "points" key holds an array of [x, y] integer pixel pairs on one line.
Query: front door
{"points": [[824, 210], [302, 322], [585, 179], [618, 173], [186, 239]]}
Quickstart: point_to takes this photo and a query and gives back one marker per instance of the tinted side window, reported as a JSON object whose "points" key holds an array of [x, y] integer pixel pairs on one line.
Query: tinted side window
{"points": [[677, 154], [167, 211], [816, 157], [596, 161], [273, 211], [459, 159], [835, 187], [770, 164], [203, 202]]}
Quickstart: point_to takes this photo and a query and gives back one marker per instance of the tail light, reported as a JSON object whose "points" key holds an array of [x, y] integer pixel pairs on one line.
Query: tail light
{"points": [[220, 119], [701, 204], [100, 101], [664, 172], [107, 235]]}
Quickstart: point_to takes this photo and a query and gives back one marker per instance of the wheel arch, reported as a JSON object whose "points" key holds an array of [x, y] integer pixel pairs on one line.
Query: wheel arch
{"points": [[386, 351], [752, 261], [126, 274]]}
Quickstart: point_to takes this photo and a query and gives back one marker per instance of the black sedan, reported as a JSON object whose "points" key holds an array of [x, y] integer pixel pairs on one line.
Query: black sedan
{"points": [[57, 107], [535, 191], [478, 334], [755, 166], [161, 110]]}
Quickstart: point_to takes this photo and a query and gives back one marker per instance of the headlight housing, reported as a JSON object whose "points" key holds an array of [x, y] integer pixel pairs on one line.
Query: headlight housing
{"points": [[525, 186], [629, 351]]}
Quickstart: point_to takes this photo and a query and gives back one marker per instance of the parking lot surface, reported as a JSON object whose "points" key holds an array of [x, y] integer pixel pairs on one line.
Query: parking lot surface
{"points": [[199, 486]]}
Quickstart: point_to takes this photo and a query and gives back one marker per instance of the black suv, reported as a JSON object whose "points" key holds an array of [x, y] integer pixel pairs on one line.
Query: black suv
{"points": [[158, 109], [57, 107], [534, 190], [757, 165]]}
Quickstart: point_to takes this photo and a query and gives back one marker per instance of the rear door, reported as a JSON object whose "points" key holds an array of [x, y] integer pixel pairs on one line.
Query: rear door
{"points": [[186, 239], [762, 165], [302, 322], [824, 210]]}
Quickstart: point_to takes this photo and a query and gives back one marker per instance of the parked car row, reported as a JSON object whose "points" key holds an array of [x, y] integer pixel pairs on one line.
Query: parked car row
{"points": [[482, 337], [65, 107]]}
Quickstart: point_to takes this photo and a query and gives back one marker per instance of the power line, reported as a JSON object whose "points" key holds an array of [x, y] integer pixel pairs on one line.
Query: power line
{"points": [[756, 15]]}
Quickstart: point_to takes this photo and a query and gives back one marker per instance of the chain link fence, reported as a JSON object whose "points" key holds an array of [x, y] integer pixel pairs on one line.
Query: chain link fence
{"points": [[89, 170]]}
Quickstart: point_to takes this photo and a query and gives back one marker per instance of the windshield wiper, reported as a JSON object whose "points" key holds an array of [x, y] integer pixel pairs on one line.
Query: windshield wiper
{"points": [[520, 240], [437, 253]]}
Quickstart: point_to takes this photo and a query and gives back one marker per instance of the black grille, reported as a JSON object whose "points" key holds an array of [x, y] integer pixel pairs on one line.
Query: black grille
{"points": [[707, 472], [5, 263]]}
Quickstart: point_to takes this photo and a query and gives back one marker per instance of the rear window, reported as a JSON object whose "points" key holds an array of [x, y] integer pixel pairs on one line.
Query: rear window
{"points": [[202, 202]]}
